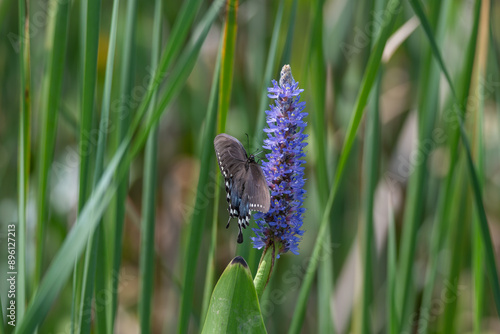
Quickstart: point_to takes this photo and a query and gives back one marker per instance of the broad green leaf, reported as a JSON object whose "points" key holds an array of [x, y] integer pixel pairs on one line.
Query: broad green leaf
{"points": [[234, 306]]}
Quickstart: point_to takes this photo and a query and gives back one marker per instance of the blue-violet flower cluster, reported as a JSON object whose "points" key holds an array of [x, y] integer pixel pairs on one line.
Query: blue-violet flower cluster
{"points": [[281, 225]]}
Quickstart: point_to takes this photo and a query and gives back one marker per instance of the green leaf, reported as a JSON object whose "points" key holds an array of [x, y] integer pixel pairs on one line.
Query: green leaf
{"points": [[149, 196], [24, 154], [234, 306]]}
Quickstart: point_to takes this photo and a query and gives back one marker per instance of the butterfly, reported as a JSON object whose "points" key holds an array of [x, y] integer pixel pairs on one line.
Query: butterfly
{"points": [[246, 186]]}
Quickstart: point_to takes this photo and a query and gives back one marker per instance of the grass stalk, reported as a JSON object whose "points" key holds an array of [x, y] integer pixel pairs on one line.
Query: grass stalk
{"points": [[149, 195], [86, 154], [392, 313], [127, 81], [24, 155], [57, 40], [263, 104], [477, 247], [205, 163], [196, 232], [370, 172], [103, 310]]}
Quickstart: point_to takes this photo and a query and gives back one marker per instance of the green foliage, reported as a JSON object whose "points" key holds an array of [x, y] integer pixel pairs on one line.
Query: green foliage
{"points": [[234, 306]]}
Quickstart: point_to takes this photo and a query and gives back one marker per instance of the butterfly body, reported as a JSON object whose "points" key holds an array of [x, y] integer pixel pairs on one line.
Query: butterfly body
{"points": [[246, 186]]}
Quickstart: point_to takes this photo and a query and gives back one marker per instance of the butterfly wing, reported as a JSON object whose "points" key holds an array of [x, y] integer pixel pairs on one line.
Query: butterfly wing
{"points": [[246, 186], [232, 157], [257, 189]]}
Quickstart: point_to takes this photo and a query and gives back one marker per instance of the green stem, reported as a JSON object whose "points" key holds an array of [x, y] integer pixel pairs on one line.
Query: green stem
{"points": [[265, 269]]}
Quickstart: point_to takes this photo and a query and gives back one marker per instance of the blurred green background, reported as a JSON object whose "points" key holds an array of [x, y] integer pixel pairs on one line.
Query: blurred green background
{"points": [[399, 165]]}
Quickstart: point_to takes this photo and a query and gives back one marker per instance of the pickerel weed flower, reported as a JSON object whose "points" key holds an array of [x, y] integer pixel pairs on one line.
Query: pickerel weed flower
{"points": [[281, 225]]}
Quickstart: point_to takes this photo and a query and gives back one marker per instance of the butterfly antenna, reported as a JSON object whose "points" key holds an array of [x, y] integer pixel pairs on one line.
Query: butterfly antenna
{"points": [[228, 222]]}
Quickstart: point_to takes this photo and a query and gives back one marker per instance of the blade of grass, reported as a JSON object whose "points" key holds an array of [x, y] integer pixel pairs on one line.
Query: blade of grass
{"points": [[56, 43], [317, 71], [485, 233], [24, 155], [196, 232], [370, 172], [87, 114], [103, 310], [477, 247], [60, 268], [149, 195], [172, 48], [392, 313], [392, 9], [124, 115], [287, 49], [419, 11], [415, 207], [79, 264], [268, 74], [246, 248], [457, 238], [205, 163]]}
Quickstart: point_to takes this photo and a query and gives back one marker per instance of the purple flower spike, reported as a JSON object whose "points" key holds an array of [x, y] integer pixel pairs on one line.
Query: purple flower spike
{"points": [[285, 176]]}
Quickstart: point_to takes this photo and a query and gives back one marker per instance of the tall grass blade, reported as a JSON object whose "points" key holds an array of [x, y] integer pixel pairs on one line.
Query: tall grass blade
{"points": [[477, 246], [60, 268], [419, 11], [253, 258], [24, 155], [287, 49], [392, 313], [103, 309], [149, 195], [86, 150], [124, 116], [393, 8], [317, 69], [268, 74], [57, 40], [370, 172], [79, 262], [371, 148], [205, 163], [196, 232]]}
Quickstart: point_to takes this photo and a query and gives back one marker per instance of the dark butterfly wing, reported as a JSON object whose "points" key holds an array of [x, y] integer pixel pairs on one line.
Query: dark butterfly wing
{"points": [[257, 189], [230, 154], [245, 183]]}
